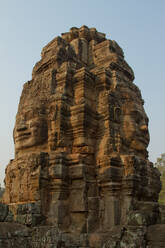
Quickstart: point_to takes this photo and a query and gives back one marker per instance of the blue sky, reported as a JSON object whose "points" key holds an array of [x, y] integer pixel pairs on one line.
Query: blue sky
{"points": [[27, 26]]}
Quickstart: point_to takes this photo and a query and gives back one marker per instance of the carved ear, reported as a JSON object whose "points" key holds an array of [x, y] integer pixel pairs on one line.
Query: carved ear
{"points": [[56, 112], [13, 135], [117, 114]]}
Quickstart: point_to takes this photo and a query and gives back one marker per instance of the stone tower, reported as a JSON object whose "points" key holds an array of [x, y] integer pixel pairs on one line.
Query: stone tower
{"points": [[81, 135]]}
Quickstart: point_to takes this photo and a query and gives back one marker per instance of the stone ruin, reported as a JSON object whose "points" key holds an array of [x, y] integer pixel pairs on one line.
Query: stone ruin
{"points": [[81, 175]]}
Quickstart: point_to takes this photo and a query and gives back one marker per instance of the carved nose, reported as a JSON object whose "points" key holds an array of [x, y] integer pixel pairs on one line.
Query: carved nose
{"points": [[144, 127]]}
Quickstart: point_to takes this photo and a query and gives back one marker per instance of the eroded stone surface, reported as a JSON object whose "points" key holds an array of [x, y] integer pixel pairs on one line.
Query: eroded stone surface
{"points": [[81, 137]]}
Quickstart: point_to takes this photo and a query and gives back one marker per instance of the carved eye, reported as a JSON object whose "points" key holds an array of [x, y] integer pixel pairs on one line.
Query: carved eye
{"points": [[28, 115], [34, 124], [137, 116], [147, 121], [112, 49], [117, 114]]}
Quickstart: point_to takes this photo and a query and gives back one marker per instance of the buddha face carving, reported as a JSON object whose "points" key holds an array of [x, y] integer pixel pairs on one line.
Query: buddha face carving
{"points": [[135, 126], [30, 130]]}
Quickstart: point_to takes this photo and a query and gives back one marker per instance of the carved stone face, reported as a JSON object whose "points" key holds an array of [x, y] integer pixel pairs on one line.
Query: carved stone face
{"points": [[29, 131], [135, 126]]}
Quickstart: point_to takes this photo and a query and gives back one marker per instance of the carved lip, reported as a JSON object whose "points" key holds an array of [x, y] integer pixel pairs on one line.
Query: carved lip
{"points": [[23, 135], [144, 140]]}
